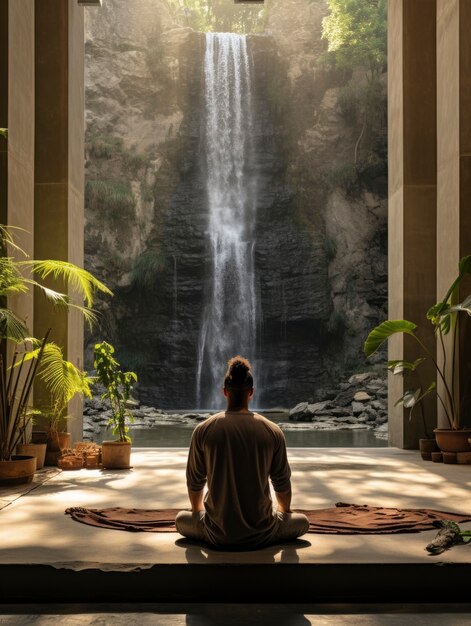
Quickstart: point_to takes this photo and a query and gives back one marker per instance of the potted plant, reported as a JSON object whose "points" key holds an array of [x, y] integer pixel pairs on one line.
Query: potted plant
{"points": [[118, 386], [17, 377], [33, 448], [63, 381], [16, 383], [444, 316]]}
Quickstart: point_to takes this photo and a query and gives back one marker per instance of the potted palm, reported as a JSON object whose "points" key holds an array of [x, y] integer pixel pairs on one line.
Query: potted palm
{"points": [[63, 381], [17, 276], [118, 386], [445, 318]]}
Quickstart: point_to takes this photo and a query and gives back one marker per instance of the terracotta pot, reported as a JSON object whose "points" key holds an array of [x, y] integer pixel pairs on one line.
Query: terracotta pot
{"points": [[426, 447], [57, 441], [450, 458], [116, 454], [19, 471], [33, 449], [453, 440], [437, 457]]}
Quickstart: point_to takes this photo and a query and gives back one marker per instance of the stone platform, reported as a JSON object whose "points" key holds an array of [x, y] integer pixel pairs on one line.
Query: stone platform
{"points": [[47, 557]]}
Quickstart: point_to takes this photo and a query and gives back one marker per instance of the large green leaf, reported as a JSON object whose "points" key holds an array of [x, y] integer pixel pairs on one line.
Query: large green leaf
{"points": [[398, 366], [381, 333], [464, 306], [410, 398]]}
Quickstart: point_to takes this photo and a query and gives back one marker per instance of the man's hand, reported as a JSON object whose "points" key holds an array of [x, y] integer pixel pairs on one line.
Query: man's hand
{"points": [[196, 500], [284, 501]]}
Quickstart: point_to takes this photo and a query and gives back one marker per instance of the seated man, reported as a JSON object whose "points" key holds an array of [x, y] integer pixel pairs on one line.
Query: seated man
{"points": [[236, 452]]}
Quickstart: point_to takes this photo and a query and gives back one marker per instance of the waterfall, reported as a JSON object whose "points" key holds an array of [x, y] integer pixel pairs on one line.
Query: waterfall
{"points": [[228, 326]]}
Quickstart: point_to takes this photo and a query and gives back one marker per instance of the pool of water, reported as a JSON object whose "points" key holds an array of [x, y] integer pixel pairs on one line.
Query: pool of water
{"points": [[178, 435]]}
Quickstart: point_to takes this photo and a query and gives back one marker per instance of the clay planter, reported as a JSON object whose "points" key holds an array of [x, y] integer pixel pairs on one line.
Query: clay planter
{"points": [[116, 454], [56, 442], [450, 458], [453, 440], [437, 457], [426, 447], [33, 449], [19, 471]]}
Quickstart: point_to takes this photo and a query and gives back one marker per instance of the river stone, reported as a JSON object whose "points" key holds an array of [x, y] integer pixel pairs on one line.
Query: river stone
{"points": [[361, 396], [298, 412], [317, 407], [357, 408], [357, 379], [344, 398]]}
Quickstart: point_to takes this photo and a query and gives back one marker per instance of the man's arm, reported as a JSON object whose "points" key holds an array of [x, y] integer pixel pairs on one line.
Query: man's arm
{"points": [[284, 501], [196, 500], [195, 473]]}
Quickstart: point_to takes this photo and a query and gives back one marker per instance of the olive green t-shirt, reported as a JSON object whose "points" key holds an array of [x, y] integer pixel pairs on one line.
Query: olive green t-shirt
{"points": [[237, 453]]}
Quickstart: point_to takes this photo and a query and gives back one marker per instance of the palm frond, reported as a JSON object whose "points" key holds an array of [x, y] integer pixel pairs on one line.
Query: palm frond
{"points": [[79, 279], [12, 327], [62, 379], [7, 238]]}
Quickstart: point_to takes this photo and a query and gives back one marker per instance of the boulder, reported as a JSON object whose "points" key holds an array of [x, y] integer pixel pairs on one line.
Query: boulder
{"points": [[298, 412], [362, 396], [344, 398], [357, 408]]}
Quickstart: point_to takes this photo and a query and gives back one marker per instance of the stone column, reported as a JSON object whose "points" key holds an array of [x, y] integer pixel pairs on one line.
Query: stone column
{"points": [[412, 197], [454, 172], [3, 108], [59, 166], [21, 137]]}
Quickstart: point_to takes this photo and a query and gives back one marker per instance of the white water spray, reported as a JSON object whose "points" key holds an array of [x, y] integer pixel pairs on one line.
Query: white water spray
{"points": [[229, 323]]}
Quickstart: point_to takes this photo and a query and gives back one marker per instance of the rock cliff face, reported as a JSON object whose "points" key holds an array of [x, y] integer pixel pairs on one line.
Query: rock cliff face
{"points": [[320, 252]]}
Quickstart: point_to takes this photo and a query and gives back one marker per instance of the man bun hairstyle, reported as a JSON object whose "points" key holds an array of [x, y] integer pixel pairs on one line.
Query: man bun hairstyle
{"points": [[239, 374]]}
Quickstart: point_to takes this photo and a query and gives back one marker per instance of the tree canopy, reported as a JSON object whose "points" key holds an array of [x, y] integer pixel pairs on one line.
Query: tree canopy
{"points": [[356, 31], [220, 15]]}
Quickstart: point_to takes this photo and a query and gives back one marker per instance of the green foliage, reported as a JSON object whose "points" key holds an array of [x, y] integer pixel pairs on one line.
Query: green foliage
{"points": [[105, 147], [147, 193], [444, 316], [330, 248], [349, 103], [16, 384], [118, 386], [32, 357], [62, 380], [133, 161], [337, 324], [346, 176], [356, 32], [220, 15], [110, 199], [19, 276], [147, 270]]}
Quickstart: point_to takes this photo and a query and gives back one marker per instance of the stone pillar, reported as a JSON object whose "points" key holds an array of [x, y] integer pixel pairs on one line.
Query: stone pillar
{"points": [[412, 198], [21, 137], [3, 108], [454, 172], [59, 164]]}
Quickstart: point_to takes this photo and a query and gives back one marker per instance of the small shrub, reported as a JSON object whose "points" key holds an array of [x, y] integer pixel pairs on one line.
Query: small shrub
{"points": [[105, 147], [346, 177], [336, 325], [110, 199], [133, 161], [348, 101], [330, 248], [147, 269]]}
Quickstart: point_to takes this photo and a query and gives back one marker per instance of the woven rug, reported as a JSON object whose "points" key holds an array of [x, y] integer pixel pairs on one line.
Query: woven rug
{"points": [[343, 519]]}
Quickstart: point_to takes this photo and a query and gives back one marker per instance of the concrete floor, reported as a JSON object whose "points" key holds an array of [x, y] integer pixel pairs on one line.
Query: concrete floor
{"points": [[248, 615], [35, 531]]}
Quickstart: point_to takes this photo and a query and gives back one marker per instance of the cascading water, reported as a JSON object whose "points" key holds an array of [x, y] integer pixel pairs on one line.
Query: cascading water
{"points": [[229, 322]]}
